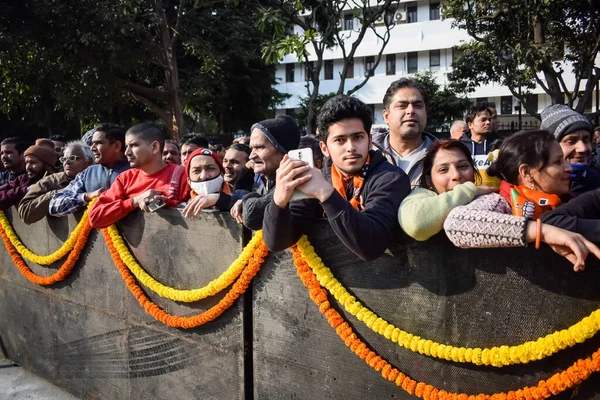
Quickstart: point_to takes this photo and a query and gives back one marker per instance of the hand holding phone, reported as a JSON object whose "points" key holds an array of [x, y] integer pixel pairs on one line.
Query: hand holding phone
{"points": [[305, 155], [155, 204]]}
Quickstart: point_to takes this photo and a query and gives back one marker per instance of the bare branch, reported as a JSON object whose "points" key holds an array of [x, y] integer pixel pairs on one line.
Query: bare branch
{"points": [[143, 90], [154, 108]]}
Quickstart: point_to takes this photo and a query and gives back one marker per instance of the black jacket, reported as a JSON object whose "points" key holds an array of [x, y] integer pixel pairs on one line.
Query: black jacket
{"points": [[367, 233], [581, 215], [490, 144], [254, 204]]}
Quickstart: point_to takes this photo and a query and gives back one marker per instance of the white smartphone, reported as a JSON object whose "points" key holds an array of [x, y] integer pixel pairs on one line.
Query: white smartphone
{"points": [[306, 155], [155, 205]]}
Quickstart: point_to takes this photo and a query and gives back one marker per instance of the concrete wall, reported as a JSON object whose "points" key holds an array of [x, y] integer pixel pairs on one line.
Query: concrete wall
{"points": [[90, 336]]}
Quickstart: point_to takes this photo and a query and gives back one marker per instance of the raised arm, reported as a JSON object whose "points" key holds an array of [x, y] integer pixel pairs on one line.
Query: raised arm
{"points": [[422, 213]]}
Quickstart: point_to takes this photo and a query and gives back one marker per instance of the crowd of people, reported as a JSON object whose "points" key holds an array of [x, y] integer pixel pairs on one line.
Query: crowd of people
{"points": [[481, 190]]}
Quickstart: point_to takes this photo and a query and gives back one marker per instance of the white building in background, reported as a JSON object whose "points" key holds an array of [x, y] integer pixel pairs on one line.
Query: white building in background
{"points": [[421, 40]]}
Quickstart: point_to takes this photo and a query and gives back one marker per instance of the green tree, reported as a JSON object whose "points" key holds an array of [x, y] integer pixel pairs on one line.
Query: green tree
{"points": [[519, 44], [445, 105], [320, 22], [303, 115], [92, 58]]}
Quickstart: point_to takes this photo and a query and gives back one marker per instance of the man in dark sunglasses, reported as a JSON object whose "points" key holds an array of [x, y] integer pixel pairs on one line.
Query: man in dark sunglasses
{"points": [[34, 206]]}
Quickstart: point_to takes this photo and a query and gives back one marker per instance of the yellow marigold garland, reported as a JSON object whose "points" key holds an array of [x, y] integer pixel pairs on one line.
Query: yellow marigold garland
{"points": [[577, 373], [212, 288], [496, 356], [41, 260]]}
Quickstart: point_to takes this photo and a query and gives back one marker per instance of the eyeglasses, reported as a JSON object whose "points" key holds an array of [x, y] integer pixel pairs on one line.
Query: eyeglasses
{"points": [[72, 158]]}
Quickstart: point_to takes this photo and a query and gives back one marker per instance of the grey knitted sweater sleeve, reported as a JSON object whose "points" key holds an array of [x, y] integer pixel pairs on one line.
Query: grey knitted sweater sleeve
{"points": [[485, 222]]}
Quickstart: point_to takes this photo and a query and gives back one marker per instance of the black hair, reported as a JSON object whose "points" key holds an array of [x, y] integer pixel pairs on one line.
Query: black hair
{"points": [[524, 147], [172, 142], [112, 132], [58, 138], [148, 132], [474, 112], [195, 138], [241, 147], [313, 144], [404, 83], [20, 145], [446, 144], [342, 107]]}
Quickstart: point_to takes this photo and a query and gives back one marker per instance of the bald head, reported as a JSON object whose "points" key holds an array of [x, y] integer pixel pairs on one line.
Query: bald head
{"points": [[457, 129]]}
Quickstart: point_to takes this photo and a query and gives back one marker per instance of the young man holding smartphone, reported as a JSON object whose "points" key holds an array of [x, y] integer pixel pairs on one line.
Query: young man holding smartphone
{"points": [[148, 185], [359, 191]]}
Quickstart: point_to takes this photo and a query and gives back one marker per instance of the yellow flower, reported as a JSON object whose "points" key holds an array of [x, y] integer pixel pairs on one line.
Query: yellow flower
{"points": [[27, 254], [212, 288], [496, 356]]}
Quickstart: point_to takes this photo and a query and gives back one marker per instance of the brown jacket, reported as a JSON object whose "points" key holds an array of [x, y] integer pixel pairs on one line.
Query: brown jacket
{"points": [[34, 205]]}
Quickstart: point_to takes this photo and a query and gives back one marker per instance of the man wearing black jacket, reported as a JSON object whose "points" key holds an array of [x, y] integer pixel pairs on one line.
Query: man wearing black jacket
{"points": [[359, 191]]}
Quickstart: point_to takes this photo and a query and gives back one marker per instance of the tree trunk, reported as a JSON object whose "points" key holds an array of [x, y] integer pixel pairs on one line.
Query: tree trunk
{"points": [[171, 74]]}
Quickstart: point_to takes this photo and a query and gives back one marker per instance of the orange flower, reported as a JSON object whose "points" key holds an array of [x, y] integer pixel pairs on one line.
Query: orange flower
{"points": [[62, 272], [237, 289], [557, 383]]}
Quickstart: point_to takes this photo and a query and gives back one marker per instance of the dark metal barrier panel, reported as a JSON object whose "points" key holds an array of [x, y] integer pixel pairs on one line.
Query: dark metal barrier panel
{"points": [[471, 298], [89, 334]]}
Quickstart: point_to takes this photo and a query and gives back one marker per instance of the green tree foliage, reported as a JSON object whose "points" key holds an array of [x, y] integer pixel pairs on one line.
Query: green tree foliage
{"points": [[523, 43], [321, 23], [445, 105], [302, 116], [101, 59]]}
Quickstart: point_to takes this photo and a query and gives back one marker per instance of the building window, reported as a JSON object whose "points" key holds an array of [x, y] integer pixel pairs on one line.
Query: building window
{"points": [[369, 66], [350, 69], [389, 17], [411, 14], [479, 101], [532, 101], [506, 103], [434, 59], [328, 69], [348, 22], [289, 72], [390, 64], [434, 11], [290, 111], [308, 67], [412, 62]]}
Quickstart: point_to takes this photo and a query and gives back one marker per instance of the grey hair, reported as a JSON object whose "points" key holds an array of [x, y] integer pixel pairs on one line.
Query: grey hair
{"points": [[85, 149]]}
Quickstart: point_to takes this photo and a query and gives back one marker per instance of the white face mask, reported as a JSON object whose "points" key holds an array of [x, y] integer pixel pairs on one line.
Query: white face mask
{"points": [[207, 187]]}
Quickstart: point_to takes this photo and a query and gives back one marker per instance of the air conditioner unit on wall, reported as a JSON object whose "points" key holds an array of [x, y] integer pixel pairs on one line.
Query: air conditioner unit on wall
{"points": [[380, 20], [400, 17]]}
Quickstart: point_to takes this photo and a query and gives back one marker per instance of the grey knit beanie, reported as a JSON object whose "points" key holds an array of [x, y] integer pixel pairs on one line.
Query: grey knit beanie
{"points": [[560, 120], [281, 131]]}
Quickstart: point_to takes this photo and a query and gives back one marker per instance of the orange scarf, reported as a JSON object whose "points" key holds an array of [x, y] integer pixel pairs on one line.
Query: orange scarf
{"points": [[341, 184], [530, 203]]}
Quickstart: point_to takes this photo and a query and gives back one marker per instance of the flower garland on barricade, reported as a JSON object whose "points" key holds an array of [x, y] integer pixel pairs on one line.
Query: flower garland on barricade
{"points": [[50, 258], [254, 262], [496, 356], [557, 383], [212, 288], [82, 236]]}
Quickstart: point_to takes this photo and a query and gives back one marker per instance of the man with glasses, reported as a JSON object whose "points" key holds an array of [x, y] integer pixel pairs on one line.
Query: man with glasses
{"points": [[108, 147], [34, 206]]}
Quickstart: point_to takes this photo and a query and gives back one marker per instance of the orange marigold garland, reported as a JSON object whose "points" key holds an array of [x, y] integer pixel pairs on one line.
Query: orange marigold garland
{"points": [[237, 289], [557, 383], [63, 271]]}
